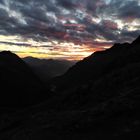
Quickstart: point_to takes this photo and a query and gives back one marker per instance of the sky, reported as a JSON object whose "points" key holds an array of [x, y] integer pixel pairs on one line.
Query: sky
{"points": [[66, 29]]}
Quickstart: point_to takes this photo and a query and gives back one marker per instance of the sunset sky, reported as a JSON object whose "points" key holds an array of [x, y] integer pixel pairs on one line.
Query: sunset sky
{"points": [[66, 29]]}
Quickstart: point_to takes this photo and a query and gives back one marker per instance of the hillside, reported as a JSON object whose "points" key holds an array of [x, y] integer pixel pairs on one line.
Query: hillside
{"points": [[19, 85], [98, 98]]}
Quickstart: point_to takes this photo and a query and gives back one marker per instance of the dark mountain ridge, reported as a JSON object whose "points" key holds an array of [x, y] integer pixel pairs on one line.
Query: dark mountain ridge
{"points": [[98, 98], [19, 85], [99, 64]]}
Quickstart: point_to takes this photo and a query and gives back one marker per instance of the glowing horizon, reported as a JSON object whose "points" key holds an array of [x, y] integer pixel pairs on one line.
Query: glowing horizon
{"points": [[47, 50]]}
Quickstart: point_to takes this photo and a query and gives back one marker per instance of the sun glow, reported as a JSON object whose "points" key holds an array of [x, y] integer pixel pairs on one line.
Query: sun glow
{"points": [[52, 49]]}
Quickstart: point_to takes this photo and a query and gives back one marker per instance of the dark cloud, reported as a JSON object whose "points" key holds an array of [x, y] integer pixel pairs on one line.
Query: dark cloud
{"points": [[67, 4], [123, 9], [129, 11], [130, 34], [15, 44], [110, 25], [69, 20]]}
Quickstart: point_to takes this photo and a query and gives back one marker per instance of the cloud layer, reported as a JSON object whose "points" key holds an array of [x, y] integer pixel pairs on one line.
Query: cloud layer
{"points": [[93, 23]]}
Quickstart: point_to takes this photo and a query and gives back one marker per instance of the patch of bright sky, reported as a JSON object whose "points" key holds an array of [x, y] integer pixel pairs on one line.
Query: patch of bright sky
{"points": [[107, 1], [52, 16], [136, 26]]}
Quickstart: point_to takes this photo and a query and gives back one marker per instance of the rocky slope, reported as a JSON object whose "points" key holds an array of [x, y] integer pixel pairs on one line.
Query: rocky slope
{"points": [[19, 85], [98, 98]]}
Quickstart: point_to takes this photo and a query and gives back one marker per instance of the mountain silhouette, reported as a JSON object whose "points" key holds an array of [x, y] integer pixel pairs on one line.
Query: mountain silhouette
{"points": [[19, 85], [96, 77], [99, 64], [137, 41], [97, 98]]}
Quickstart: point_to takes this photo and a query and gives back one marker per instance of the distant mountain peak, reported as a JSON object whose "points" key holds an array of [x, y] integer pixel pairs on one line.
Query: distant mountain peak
{"points": [[99, 64], [137, 41], [8, 53], [5, 52], [9, 58]]}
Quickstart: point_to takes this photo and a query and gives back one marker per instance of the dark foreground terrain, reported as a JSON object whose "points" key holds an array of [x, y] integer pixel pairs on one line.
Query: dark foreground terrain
{"points": [[98, 98]]}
